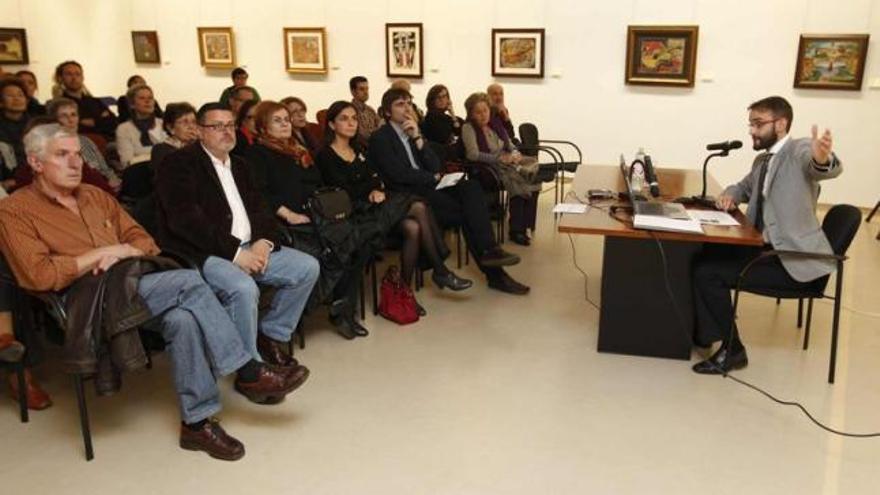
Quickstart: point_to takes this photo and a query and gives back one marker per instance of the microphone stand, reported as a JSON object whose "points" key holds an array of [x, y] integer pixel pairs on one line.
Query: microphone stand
{"points": [[702, 199]]}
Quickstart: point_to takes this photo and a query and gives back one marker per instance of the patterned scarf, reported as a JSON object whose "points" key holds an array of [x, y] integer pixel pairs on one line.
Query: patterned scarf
{"points": [[288, 147]]}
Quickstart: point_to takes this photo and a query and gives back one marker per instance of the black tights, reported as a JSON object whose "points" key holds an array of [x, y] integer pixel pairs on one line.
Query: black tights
{"points": [[419, 233]]}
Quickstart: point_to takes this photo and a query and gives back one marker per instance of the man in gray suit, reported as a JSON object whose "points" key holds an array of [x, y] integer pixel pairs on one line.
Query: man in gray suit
{"points": [[781, 191]]}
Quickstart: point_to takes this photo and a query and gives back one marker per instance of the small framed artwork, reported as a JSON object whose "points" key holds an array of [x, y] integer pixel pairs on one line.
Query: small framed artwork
{"points": [[831, 61], [403, 50], [661, 55], [13, 47], [146, 47], [518, 53], [305, 50], [216, 47]]}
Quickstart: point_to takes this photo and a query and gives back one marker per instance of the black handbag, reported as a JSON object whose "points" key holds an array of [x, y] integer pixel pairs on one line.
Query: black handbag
{"points": [[330, 205]]}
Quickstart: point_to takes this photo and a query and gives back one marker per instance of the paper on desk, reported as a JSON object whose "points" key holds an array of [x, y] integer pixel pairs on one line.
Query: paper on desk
{"points": [[653, 222], [570, 208], [713, 217], [449, 180]]}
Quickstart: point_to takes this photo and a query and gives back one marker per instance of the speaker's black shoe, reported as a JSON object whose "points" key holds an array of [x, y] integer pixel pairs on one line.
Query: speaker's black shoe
{"points": [[723, 361]]}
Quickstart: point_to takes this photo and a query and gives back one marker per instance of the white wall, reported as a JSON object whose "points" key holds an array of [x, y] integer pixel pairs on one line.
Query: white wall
{"points": [[748, 48]]}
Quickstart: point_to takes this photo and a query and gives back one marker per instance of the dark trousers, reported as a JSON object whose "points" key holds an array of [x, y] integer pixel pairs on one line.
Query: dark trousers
{"points": [[716, 271], [523, 212], [464, 205]]}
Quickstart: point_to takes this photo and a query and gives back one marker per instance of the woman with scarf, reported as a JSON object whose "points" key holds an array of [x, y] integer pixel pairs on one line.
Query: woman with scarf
{"points": [[135, 138], [486, 141], [285, 172]]}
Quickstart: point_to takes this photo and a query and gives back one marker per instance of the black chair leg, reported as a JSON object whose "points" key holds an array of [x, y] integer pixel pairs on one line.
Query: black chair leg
{"points": [[778, 300], [809, 322], [800, 322], [871, 215], [835, 325], [458, 246], [83, 416], [375, 287], [19, 371]]}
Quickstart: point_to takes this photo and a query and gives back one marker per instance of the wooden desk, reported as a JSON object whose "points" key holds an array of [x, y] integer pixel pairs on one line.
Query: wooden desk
{"points": [[637, 316]]}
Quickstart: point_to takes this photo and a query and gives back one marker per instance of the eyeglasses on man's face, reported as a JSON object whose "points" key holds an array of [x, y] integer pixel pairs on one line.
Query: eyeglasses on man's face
{"points": [[219, 127]]}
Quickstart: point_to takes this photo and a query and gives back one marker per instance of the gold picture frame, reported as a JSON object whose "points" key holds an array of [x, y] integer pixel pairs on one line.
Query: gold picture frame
{"points": [[216, 47], [305, 50], [831, 61]]}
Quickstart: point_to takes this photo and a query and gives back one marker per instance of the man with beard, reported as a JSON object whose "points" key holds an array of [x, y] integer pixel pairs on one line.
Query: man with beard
{"points": [[781, 191]]}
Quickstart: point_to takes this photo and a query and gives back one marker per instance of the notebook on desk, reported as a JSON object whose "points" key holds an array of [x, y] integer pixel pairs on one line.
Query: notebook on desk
{"points": [[658, 215]]}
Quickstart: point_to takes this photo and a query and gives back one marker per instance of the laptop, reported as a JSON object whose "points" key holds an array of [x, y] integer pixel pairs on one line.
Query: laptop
{"points": [[642, 206]]}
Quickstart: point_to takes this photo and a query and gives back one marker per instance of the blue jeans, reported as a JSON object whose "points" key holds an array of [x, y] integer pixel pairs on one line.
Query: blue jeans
{"points": [[293, 273], [203, 342]]}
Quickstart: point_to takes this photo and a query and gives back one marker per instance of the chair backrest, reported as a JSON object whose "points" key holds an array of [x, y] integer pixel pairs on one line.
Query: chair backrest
{"points": [[840, 225], [528, 133]]}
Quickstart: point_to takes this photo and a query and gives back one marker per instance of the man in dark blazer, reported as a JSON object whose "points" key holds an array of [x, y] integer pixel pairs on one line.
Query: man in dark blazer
{"points": [[407, 164], [781, 191], [210, 210]]}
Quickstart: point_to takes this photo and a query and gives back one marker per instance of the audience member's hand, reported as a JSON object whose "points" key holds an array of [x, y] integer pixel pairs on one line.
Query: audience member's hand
{"points": [[410, 127], [376, 196], [295, 218], [104, 264], [502, 111], [725, 202], [506, 158], [821, 146], [249, 261], [437, 177], [263, 249], [515, 157]]}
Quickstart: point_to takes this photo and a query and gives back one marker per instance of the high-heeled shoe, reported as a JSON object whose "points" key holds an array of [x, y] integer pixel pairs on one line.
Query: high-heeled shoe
{"points": [[450, 281]]}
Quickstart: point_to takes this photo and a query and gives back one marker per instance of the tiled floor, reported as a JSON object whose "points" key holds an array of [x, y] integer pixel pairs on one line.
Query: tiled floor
{"points": [[498, 394]]}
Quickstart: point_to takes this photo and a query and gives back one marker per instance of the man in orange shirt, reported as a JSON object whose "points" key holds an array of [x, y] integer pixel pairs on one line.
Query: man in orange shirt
{"points": [[57, 230]]}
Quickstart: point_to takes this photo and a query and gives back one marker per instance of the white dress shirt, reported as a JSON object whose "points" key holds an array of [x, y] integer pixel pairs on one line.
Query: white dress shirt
{"points": [[241, 224]]}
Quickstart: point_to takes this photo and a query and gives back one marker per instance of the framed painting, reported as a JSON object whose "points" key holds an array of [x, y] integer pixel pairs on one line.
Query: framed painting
{"points": [[831, 61], [661, 55], [518, 53], [146, 47], [13, 46], [305, 50], [403, 50], [216, 47]]}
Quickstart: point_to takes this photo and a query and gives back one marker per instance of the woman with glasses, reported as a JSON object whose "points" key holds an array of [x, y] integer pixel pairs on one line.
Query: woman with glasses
{"points": [[304, 132], [179, 122], [441, 125]]}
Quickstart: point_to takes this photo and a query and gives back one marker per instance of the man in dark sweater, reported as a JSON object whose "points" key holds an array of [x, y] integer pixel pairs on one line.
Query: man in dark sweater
{"points": [[94, 116]]}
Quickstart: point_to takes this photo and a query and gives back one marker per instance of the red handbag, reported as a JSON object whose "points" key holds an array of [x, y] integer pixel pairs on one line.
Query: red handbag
{"points": [[396, 301]]}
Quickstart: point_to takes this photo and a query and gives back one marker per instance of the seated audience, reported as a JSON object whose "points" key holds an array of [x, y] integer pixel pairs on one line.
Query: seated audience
{"points": [[136, 137], [179, 123], [380, 211], [500, 114], [490, 144], [239, 79], [56, 231], [245, 127], [210, 211], [8, 163], [24, 174], [404, 85], [123, 103], [29, 80], [13, 116], [441, 125], [94, 116], [305, 132], [240, 96], [408, 165], [368, 119], [66, 112], [781, 192], [285, 173]]}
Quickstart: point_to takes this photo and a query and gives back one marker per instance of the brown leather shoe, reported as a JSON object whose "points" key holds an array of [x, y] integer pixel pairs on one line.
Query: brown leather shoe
{"points": [[272, 383], [37, 398], [213, 439], [272, 352], [11, 350]]}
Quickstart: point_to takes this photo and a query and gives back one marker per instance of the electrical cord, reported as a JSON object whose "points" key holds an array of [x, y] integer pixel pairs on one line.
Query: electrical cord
{"points": [[727, 374]]}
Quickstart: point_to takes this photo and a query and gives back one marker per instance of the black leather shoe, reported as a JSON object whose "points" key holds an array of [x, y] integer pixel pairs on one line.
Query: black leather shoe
{"points": [[348, 327], [520, 238], [497, 257], [506, 283], [450, 281], [722, 362]]}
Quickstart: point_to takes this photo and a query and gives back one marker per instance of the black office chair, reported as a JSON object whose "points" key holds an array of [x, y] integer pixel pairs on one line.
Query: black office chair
{"points": [[840, 226], [532, 144]]}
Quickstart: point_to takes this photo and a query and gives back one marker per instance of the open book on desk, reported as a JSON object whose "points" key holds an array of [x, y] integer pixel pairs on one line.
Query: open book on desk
{"points": [[653, 222]]}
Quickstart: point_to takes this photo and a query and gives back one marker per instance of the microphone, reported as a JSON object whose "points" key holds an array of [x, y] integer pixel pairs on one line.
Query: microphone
{"points": [[651, 177], [725, 146]]}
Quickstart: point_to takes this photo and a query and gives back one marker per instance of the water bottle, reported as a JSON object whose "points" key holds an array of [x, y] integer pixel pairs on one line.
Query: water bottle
{"points": [[637, 172]]}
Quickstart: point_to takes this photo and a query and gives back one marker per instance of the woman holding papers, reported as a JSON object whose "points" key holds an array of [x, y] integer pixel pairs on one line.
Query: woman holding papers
{"points": [[377, 212]]}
